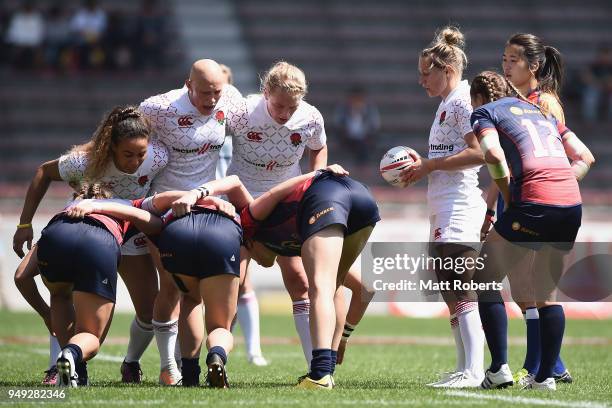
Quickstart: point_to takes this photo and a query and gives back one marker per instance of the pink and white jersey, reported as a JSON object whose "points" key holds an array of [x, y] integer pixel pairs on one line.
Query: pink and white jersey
{"points": [[193, 140], [266, 153], [452, 190], [72, 168]]}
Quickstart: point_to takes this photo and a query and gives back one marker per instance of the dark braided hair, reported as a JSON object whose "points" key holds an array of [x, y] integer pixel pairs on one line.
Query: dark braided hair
{"points": [[493, 86]]}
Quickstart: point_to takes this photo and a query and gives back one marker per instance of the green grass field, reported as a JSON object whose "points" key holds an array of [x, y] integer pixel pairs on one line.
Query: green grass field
{"points": [[373, 374]]}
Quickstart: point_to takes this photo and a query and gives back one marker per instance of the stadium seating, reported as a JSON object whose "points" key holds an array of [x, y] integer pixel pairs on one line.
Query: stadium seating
{"points": [[337, 42]]}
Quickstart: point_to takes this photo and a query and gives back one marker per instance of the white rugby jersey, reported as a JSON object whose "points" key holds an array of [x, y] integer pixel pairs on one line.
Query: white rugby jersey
{"points": [[452, 190], [266, 153], [72, 168], [193, 140]]}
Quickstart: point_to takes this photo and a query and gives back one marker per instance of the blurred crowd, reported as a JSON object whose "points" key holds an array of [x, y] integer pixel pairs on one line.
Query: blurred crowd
{"points": [[596, 81], [61, 38]]}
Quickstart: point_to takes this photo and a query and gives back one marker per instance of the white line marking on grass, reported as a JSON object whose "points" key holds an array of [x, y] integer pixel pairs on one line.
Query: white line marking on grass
{"points": [[526, 400]]}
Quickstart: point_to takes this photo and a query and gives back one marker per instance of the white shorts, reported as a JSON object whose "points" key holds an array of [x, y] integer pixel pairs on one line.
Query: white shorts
{"points": [[136, 245], [457, 226]]}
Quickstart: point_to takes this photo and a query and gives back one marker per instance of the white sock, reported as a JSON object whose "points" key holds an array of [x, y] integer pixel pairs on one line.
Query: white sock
{"points": [[301, 316], [141, 335], [248, 317], [460, 350], [165, 336], [472, 336], [54, 350]]}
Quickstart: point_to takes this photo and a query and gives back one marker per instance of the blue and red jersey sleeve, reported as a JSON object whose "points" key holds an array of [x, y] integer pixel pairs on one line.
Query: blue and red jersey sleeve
{"points": [[482, 119]]}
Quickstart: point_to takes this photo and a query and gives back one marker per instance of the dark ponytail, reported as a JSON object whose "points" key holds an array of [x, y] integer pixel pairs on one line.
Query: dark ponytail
{"points": [[548, 59], [550, 75]]}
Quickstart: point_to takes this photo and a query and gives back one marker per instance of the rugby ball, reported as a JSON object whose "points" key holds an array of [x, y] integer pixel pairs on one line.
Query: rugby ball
{"points": [[393, 162]]}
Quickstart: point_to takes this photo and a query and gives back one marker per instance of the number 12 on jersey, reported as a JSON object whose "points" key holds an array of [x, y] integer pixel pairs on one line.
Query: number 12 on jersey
{"points": [[539, 140]]}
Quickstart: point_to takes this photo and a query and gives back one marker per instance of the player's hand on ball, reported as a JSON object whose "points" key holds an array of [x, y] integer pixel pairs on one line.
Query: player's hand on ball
{"points": [[183, 205], [337, 170], [21, 236], [222, 206], [341, 349], [416, 171], [81, 209]]}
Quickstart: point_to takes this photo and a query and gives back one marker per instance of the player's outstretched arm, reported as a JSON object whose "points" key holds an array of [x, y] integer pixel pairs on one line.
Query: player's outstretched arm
{"points": [[146, 222], [230, 186], [265, 204], [45, 174]]}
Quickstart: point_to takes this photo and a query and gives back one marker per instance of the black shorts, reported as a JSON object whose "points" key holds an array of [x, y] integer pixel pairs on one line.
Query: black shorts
{"points": [[333, 200], [82, 252], [201, 244], [534, 225]]}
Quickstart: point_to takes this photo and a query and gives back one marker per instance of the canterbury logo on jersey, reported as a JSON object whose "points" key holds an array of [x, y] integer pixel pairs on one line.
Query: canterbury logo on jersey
{"points": [[185, 121], [437, 233], [199, 150], [441, 147], [254, 136]]}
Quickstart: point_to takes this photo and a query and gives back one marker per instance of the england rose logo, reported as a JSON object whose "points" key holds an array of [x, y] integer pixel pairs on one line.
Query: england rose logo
{"points": [[142, 180], [442, 118], [220, 116], [296, 139]]}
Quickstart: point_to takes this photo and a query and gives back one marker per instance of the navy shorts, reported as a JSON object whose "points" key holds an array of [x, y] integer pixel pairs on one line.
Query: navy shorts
{"points": [[82, 252], [534, 225], [333, 200], [201, 244]]}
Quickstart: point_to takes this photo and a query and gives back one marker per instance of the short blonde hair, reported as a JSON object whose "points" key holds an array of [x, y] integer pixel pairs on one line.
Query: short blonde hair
{"points": [[285, 77]]}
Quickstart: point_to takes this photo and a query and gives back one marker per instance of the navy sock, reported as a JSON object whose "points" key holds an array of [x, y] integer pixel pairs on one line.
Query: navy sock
{"points": [[190, 370], [495, 325], [552, 326], [533, 355], [334, 359], [321, 363], [77, 353], [218, 350], [81, 370], [559, 366]]}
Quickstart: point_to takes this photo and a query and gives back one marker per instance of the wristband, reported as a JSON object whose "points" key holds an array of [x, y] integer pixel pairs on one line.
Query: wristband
{"points": [[202, 192], [24, 226], [491, 212]]}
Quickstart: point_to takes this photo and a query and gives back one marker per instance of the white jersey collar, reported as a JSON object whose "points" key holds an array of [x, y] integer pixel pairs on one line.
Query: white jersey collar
{"points": [[461, 87]]}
